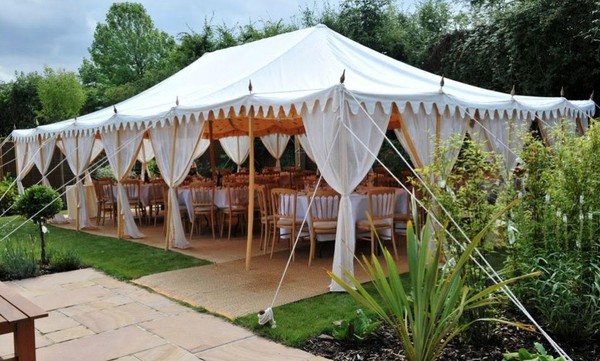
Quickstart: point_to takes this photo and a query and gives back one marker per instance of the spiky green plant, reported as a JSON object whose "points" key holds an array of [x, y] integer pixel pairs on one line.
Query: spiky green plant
{"points": [[428, 316]]}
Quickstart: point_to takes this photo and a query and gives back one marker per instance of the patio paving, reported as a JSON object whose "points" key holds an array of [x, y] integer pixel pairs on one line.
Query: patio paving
{"points": [[94, 317]]}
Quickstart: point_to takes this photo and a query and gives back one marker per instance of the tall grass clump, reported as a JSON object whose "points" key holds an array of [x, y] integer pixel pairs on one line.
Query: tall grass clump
{"points": [[17, 259], [428, 314]]}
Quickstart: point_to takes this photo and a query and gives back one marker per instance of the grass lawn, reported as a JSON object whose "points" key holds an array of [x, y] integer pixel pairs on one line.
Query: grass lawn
{"points": [[301, 320], [116, 257]]}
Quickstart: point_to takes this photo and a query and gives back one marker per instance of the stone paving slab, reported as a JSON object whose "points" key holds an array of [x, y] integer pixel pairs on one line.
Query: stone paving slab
{"points": [[93, 317]]}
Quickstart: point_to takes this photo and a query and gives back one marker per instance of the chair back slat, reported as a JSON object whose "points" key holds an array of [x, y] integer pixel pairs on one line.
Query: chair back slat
{"points": [[382, 202]]}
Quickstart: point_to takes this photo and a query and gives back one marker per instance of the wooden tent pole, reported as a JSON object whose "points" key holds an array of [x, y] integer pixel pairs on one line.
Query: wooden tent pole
{"points": [[438, 127], [120, 211], [250, 190], [213, 162], [411, 145], [542, 130], [77, 218]]}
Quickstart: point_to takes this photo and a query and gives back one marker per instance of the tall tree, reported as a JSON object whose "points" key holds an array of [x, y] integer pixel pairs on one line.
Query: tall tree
{"points": [[538, 45], [19, 103], [124, 50], [60, 94]]}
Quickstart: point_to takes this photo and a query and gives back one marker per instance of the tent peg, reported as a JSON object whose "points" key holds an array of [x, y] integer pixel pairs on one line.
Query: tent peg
{"points": [[343, 77], [250, 86], [562, 91]]}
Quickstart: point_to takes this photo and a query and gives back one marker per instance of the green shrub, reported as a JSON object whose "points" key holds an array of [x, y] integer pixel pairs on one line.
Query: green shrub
{"points": [[104, 172], [357, 328], [17, 260], [524, 355], [557, 231], [39, 203], [469, 193], [8, 195], [62, 260]]}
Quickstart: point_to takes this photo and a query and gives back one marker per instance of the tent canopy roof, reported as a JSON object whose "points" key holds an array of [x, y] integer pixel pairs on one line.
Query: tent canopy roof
{"points": [[291, 71]]}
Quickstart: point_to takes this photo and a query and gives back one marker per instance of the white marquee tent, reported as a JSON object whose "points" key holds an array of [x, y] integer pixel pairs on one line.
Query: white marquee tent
{"points": [[290, 84]]}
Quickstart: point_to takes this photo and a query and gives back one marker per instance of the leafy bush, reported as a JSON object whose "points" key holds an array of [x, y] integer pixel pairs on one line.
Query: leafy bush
{"points": [[104, 172], [557, 232], [469, 193], [38, 204], [8, 195], [62, 260], [524, 355], [17, 260], [358, 328]]}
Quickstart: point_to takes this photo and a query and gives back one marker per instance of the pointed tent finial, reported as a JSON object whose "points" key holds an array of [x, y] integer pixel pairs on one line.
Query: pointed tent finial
{"points": [[442, 83], [562, 91], [37, 122], [115, 109], [14, 125], [250, 85], [513, 91], [343, 77], [177, 100], [592, 95]]}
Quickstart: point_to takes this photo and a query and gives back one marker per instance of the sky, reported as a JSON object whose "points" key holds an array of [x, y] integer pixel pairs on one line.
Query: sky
{"points": [[58, 33]]}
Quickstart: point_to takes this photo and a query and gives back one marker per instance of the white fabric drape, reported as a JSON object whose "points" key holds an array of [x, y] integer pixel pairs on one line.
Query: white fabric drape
{"points": [[121, 147], [334, 134], [78, 151], [502, 136], [24, 161], [202, 146], [45, 151], [275, 144], [42, 156], [145, 154], [237, 148], [174, 146], [425, 132], [96, 150], [306, 146]]}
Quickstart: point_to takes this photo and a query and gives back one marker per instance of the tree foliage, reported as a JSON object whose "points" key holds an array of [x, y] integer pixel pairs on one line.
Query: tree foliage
{"points": [[538, 45], [19, 103], [39, 204], [125, 49], [61, 95]]}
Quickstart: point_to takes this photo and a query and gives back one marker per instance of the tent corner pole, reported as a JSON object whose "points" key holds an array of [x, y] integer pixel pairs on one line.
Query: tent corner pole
{"points": [[250, 190]]}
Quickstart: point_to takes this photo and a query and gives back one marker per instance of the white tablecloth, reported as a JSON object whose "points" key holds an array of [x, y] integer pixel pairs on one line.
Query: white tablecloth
{"points": [[360, 206], [185, 198]]}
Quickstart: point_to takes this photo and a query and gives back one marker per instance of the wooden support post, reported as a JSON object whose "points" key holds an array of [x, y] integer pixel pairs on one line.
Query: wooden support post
{"points": [[213, 161], [251, 172], [77, 218]]}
